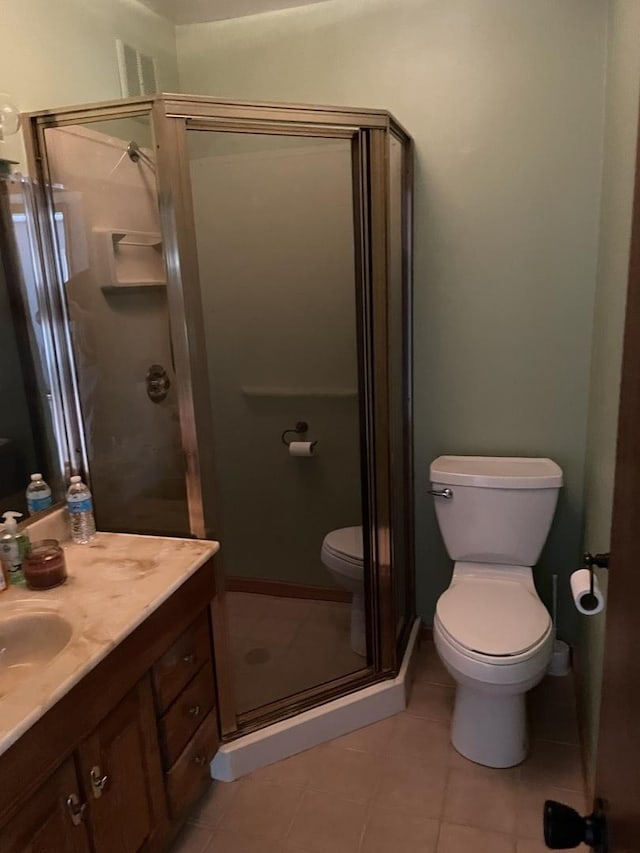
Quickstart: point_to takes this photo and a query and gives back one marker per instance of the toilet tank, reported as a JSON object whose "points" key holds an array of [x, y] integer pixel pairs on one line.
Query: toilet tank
{"points": [[500, 509]]}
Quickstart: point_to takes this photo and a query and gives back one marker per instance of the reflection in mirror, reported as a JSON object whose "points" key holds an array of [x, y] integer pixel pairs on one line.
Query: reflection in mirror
{"points": [[27, 443], [103, 178]]}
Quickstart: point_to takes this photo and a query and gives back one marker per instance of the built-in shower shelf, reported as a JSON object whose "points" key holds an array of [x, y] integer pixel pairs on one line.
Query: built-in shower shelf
{"points": [[284, 391], [137, 238], [133, 259], [134, 287]]}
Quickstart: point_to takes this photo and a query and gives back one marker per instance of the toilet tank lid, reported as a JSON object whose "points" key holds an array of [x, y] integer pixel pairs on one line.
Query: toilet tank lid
{"points": [[497, 472]]}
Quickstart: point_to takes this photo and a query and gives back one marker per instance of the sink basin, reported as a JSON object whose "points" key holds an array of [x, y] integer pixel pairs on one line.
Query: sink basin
{"points": [[32, 633]]}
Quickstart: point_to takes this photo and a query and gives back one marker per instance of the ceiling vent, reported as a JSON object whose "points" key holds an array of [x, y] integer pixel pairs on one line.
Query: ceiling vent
{"points": [[138, 72]]}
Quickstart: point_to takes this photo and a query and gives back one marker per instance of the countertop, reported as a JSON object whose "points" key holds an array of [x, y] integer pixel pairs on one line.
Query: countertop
{"points": [[113, 585]]}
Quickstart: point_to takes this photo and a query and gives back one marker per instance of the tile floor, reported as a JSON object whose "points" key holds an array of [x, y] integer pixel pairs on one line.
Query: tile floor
{"points": [[281, 646], [399, 787]]}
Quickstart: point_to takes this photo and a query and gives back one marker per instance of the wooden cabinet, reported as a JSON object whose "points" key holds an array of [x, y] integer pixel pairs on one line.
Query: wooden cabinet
{"points": [[184, 717], [114, 766], [52, 821], [116, 798], [122, 776], [181, 662], [188, 726], [189, 776]]}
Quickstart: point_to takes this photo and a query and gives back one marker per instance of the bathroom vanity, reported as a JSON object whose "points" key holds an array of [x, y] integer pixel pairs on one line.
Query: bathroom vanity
{"points": [[106, 745]]}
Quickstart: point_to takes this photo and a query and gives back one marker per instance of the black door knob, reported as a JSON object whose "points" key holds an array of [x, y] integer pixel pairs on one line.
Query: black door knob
{"points": [[565, 829]]}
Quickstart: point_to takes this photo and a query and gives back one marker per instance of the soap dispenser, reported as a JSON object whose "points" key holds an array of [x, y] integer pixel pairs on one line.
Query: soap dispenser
{"points": [[14, 546]]}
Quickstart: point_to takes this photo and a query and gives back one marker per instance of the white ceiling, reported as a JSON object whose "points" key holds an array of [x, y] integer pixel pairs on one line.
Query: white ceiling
{"points": [[198, 11]]}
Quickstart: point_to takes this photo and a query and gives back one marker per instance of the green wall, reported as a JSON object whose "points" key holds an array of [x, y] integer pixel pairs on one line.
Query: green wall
{"points": [[505, 101], [621, 124], [59, 52]]}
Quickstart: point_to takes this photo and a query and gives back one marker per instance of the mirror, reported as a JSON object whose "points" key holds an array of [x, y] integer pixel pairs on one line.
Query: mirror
{"points": [[109, 240], [26, 434]]}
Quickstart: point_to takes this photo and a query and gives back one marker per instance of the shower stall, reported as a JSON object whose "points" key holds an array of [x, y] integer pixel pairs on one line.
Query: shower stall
{"points": [[230, 298]]}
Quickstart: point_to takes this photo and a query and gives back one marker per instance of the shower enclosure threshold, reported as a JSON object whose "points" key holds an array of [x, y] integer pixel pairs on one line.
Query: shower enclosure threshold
{"points": [[318, 725]]}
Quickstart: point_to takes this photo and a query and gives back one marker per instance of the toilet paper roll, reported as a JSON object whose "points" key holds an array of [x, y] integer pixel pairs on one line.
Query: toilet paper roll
{"points": [[301, 448], [585, 602]]}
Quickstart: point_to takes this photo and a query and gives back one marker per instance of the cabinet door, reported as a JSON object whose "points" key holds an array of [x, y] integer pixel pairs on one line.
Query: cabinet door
{"points": [[47, 823], [122, 775]]}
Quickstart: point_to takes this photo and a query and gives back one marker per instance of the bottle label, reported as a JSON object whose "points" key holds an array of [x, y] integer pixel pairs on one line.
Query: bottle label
{"points": [[38, 504], [10, 554], [82, 504]]}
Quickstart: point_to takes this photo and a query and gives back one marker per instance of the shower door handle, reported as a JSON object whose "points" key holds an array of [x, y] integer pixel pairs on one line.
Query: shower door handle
{"points": [[447, 494]]}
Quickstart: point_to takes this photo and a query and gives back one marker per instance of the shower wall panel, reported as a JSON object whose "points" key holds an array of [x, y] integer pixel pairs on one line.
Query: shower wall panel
{"points": [[133, 444]]}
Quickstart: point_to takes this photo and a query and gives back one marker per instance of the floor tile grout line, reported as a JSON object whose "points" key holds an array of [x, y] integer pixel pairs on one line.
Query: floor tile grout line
{"points": [[555, 742], [378, 757], [511, 835], [445, 791], [296, 811], [204, 824]]}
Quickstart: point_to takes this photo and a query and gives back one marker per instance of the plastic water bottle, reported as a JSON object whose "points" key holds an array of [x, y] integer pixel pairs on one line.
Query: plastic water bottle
{"points": [[38, 495], [80, 506]]}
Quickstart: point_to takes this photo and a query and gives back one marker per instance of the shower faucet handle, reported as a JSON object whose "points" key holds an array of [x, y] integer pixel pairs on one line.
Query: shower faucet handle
{"points": [[158, 383], [447, 494]]}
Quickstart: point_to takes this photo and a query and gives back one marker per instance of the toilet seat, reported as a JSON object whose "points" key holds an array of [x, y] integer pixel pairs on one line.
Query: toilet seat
{"points": [[342, 553], [494, 668], [495, 620], [342, 550]]}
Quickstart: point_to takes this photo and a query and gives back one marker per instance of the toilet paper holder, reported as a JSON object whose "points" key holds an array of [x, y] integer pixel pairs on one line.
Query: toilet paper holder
{"points": [[300, 428], [600, 561], [591, 561]]}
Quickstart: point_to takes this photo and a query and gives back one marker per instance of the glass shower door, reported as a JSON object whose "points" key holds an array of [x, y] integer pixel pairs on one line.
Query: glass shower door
{"points": [[112, 305], [274, 226]]}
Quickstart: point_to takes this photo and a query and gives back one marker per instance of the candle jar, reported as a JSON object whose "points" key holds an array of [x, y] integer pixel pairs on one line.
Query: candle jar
{"points": [[44, 566]]}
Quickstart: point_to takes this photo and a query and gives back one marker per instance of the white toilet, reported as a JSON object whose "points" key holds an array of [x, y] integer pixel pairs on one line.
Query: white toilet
{"points": [[491, 630], [342, 553]]}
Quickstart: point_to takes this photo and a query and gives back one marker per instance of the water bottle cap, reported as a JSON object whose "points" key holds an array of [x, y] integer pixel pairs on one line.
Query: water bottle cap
{"points": [[36, 477], [75, 479]]}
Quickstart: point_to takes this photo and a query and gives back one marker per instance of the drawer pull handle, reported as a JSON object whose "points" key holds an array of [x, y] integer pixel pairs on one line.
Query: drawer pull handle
{"points": [[98, 782], [200, 760], [76, 809], [194, 710], [189, 658]]}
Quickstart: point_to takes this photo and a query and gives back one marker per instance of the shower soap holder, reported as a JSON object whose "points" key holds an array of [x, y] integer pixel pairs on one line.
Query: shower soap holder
{"points": [[133, 259]]}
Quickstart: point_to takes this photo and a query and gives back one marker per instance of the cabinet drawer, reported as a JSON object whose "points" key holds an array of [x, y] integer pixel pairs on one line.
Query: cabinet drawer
{"points": [[189, 777], [179, 664], [185, 715]]}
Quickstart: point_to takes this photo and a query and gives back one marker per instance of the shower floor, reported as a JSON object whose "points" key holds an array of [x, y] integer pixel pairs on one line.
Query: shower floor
{"points": [[281, 646]]}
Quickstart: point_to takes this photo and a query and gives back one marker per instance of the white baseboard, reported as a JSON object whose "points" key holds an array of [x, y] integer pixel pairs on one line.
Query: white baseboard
{"points": [[310, 728]]}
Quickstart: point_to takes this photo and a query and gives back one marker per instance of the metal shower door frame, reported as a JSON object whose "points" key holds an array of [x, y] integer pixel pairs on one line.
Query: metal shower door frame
{"points": [[369, 130]]}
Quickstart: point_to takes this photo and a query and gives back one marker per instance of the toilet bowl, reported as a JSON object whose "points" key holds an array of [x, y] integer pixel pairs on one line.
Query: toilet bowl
{"points": [[491, 631], [495, 637], [342, 553]]}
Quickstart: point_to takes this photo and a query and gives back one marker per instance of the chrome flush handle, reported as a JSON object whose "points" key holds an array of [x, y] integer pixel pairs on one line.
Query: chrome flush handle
{"points": [[447, 494]]}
